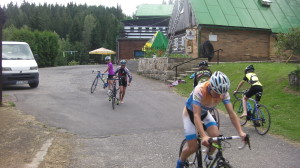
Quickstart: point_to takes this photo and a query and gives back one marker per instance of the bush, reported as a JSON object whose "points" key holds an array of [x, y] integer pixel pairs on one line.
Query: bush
{"points": [[71, 63], [45, 43], [288, 42]]}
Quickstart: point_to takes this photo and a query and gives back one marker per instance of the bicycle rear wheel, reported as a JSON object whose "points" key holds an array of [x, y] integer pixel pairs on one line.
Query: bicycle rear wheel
{"points": [[216, 116], [262, 120], [194, 159], [238, 108], [94, 85]]}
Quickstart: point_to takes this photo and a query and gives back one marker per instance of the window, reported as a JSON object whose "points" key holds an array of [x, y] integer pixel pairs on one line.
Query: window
{"points": [[131, 29], [138, 53]]}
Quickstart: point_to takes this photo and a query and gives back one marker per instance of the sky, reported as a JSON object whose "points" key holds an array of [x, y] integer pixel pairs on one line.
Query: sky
{"points": [[128, 6]]}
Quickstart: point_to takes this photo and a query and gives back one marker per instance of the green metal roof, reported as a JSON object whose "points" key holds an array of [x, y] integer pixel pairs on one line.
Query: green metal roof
{"points": [[154, 10], [280, 16]]}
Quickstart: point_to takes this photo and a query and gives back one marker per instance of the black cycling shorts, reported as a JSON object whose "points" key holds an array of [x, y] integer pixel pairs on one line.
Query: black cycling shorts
{"points": [[253, 90], [110, 76], [123, 82]]}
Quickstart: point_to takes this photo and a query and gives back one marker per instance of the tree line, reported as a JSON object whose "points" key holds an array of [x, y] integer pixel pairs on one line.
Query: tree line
{"points": [[60, 34]]}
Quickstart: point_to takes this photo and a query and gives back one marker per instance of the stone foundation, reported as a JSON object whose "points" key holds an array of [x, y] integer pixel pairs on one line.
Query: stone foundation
{"points": [[162, 68]]}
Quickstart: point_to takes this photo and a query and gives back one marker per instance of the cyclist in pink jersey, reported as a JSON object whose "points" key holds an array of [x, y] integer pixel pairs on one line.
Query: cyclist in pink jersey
{"points": [[111, 72]]}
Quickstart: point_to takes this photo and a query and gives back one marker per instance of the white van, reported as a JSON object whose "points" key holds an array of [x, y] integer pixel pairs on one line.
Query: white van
{"points": [[18, 64]]}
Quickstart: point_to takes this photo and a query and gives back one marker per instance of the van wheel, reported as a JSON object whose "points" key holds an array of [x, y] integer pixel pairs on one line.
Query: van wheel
{"points": [[34, 85]]}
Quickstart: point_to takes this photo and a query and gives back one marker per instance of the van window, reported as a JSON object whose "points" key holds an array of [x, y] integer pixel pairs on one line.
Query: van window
{"points": [[16, 52]]}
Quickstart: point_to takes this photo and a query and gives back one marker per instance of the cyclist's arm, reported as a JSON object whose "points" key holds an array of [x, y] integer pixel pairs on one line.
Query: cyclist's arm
{"points": [[106, 69], [234, 120], [129, 75], [239, 86], [198, 123]]}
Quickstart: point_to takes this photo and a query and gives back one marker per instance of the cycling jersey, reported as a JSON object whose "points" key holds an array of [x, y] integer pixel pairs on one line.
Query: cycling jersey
{"points": [[123, 73], [111, 69], [203, 73], [252, 79], [201, 97]]}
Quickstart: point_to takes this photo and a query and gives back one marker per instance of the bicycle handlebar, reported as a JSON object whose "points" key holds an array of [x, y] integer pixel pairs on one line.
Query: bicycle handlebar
{"points": [[238, 92], [102, 74], [223, 138]]}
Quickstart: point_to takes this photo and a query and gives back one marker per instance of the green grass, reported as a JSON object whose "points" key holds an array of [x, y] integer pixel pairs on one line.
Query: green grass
{"points": [[282, 101]]}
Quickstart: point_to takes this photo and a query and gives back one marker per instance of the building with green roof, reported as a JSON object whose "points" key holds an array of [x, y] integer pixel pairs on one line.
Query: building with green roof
{"points": [[150, 18], [153, 10], [244, 29]]}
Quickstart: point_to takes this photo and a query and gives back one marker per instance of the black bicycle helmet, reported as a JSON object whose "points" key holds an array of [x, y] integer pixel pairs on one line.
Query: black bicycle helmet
{"points": [[203, 63], [249, 68]]}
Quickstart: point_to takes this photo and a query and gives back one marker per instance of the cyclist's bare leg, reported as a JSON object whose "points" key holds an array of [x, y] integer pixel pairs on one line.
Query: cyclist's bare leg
{"points": [[192, 147], [110, 83], [121, 93], [245, 98], [212, 131]]}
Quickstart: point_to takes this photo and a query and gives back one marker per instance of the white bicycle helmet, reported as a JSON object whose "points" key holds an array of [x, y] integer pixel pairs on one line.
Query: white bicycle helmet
{"points": [[123, 62], [219, 82], [107, 58]]}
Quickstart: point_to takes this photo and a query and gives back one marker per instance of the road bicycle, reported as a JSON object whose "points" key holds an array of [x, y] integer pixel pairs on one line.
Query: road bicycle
{"points": [[219, 161], [95, 82], [259, 114]]}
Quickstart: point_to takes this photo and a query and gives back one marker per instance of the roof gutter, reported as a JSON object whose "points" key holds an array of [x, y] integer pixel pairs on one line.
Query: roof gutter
{"points": [[232, 27]]}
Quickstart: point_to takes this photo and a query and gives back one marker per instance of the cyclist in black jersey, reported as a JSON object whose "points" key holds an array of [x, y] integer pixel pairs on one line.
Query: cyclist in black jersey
{"points": [[256, 86], [203, 73], [123, 73]]}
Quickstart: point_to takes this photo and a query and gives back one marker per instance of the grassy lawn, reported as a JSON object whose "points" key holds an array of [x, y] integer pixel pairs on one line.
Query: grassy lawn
{"points": [[282, 101]]}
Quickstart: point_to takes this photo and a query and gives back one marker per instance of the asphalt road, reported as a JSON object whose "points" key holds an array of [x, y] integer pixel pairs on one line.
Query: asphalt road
{"points": [[145, 131]]}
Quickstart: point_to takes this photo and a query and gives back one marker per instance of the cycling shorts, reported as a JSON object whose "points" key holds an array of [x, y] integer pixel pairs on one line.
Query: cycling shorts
{"points": [[110, 76], [123, 82], [253, 90], [190, 131]]}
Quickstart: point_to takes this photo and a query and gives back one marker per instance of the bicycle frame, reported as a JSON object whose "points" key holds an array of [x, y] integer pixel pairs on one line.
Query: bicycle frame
{"points": [[100, 75], [253, 116], [219, 154]]}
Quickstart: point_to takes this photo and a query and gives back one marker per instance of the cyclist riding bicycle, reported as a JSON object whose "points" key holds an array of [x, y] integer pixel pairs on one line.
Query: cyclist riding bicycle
{"points": [[203, 71], [110, 70], [123, 73], [197, 119], [256, 87]]}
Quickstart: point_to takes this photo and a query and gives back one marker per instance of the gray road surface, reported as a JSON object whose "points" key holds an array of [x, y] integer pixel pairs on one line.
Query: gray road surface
{"points": [[145, 131]]}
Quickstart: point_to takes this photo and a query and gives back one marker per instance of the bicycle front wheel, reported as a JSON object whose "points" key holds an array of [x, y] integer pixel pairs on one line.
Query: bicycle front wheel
{"points": [[194, 159], [262, 120], [114, 93], [216, 116], [113, 102], [223, 164], [238, 108], [94, 85]]}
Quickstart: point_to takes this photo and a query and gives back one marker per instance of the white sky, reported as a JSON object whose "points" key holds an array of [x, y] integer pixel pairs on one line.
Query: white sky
{"points": [[128, 6]]}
